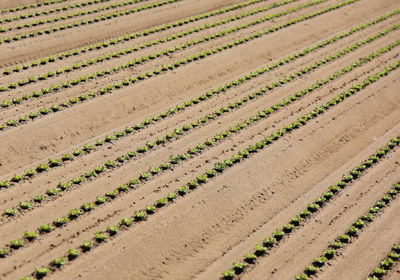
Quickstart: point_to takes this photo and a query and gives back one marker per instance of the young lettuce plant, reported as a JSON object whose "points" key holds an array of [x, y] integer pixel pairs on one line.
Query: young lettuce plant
{"points": [[30, 236], [72, 254], [58, 262], [41, 272], [86, 245]]}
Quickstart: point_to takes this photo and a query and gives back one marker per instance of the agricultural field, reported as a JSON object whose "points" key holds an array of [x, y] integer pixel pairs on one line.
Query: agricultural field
{"points": [[200, 139]]}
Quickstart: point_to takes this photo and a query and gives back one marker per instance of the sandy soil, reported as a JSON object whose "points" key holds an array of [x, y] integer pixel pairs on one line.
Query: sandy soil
{"points": [[201, 234]]}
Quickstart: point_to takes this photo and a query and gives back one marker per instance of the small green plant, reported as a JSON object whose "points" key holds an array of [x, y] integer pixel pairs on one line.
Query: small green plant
{"points": [[336, 245], [171, 196], [192, 184], [86, 245], [41, 272], [358, 224], [301, 277], [352, 231], [30, 173], [393, 256], [144, 175], [87, 207], [150, 209], [110, 164], [269, 242], [396, 248], [17, 178], [61, 221], [344, 238], [16, 244], [25, 205], [182, 190], [250, 258], [112, 230], [288, 228], [75, 213], [45, 228], [139, 215], [3, 253], [165, 165], [30, 236], [259, 250], [38, 198], [367, 217], [72, 254], [228, 275], [295, 221], [77, 152], [201, 179], [42, 167], [10, 212], [126, 222], [386, 264], [238, 267], [112, 194], [99, 169], [53, 192], [278, 235], [378, 272], [310, 270], [66, 157], [329, 253], [313, 207], [161, 202], [100, 236], [4, 184], [100, 200], [58, 262], [318, 262], [142, 149]]}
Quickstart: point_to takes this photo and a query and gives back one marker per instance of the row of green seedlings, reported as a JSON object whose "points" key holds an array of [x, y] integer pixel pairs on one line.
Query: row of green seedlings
{"points": [[313, 207], [220, 167], [128, 130], [133, 36], [60, 18], [105, 17], [145, 58], [34, 5], [392, 257], [177, 133], [126, 51], [140, 77], [350, 235]]}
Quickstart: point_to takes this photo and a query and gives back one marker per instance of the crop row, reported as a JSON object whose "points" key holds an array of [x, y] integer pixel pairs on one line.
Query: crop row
{"points": [[69, 16], [34, 5], [333, 190], [392, 257], [144, 76], [86, 22], [202, 121], [126, 51], [133, 36], [350, 235], [52, 163], [219, 167]]}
